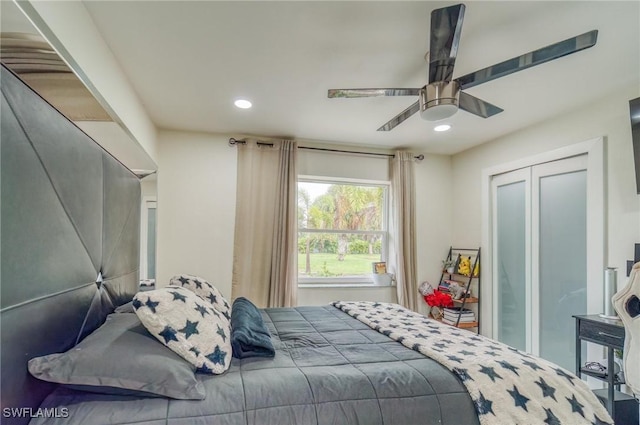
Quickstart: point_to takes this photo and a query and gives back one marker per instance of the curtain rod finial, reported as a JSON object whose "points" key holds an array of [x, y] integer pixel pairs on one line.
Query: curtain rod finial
{"points": [[233, 142], [419, 157]]}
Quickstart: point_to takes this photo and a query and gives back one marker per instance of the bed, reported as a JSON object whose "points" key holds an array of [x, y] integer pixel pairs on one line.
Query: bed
{"points": [[328, 368], [70, 226]]}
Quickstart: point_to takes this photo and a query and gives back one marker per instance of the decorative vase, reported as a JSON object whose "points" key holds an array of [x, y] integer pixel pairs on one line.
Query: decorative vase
{"points": [[437, 312]]}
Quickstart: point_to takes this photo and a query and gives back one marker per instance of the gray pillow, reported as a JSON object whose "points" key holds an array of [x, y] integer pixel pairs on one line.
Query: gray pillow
{"points": [[122, 358], [125, 308]]}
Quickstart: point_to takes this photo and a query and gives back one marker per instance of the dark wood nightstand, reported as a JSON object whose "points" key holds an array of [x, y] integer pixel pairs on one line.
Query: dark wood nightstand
{"points": [[609, 333]]}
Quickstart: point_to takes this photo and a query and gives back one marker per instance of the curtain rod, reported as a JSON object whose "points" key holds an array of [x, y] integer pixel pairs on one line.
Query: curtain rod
{"points": [[233, 142]]}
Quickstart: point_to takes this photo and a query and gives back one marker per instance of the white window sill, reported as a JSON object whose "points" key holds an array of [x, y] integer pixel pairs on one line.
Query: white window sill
{"points": [[342, 285]]}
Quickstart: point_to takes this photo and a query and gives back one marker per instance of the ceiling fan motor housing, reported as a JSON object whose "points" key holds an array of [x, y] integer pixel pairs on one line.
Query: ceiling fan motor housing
{"points": [[439, 100]]}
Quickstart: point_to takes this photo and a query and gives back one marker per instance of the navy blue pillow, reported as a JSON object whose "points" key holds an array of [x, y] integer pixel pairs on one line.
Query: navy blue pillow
{"points": [[249, 335]]}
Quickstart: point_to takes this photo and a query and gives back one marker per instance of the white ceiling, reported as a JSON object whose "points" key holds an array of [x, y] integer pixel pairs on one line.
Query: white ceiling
{"points": [[188, 61]]}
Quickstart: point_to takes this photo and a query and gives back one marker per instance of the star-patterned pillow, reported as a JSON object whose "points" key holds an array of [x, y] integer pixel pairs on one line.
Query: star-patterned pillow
{"points": [[205, 290], [188, 325]]}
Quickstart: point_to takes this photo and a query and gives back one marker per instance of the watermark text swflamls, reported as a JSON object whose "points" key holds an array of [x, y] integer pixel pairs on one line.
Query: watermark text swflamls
{"points": [[29, 412]]}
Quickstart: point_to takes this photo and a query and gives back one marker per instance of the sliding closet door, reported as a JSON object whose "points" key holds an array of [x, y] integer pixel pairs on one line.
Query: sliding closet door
{"points": [[511, 250], [539, 265], [559, 262]]}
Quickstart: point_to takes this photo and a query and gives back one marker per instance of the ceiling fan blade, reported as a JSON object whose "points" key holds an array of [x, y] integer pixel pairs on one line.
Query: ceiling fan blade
{"points": [[398, 119], [537, 57], [477, 106], [350, 93], [446, 27]]}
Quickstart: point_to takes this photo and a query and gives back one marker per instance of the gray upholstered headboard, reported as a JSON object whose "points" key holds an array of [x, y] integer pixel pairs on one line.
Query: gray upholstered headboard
{"points": [[69, 212]]}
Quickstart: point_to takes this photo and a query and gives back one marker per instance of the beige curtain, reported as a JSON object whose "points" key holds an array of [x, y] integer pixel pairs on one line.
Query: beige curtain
{"points": [[403, 228], [265, 254]]}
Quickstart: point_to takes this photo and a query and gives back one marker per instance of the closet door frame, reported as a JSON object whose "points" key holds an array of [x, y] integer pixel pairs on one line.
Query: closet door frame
{"points": [[596, 216]]}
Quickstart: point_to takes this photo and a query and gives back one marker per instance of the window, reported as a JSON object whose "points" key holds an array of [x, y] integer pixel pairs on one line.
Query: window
{"points": [[342, 230]]}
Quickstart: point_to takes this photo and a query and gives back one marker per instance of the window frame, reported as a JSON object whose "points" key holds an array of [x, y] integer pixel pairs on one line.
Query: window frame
{"points": [[353, 281]]}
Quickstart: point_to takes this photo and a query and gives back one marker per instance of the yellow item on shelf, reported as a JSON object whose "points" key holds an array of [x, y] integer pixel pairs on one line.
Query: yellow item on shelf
{"points": [[476, 269], [464, 268]]}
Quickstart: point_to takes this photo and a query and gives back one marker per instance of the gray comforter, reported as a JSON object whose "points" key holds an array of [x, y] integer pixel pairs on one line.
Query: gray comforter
{"points": [[329, 368]]}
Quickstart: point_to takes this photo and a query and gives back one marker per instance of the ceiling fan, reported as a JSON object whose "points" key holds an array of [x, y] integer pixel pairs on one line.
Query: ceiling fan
{"points": [[442, 96]]}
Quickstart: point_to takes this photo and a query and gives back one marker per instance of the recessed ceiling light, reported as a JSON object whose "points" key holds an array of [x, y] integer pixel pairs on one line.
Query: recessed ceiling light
{"points": [[242, 104], [442, 127]]}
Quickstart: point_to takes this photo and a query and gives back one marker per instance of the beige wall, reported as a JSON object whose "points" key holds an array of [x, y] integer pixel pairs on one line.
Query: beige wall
{"points": [[196, 207], [196, 211]]}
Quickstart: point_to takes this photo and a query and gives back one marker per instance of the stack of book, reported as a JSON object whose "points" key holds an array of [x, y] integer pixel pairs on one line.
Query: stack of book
{"points": [[451, 315], [444, 286], [453, 287]]}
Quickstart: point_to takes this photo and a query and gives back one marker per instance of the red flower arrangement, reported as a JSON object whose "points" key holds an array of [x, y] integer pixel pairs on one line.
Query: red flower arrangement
{"points": [[438, 299]]}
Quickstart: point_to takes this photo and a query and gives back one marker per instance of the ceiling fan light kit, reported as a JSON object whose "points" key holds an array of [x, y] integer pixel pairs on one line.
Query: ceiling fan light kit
{"points": [[443, 95], [439, 100]]}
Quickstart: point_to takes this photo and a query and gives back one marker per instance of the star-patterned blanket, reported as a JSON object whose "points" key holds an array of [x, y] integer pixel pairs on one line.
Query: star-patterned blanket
{"points": [[507, 386]]}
